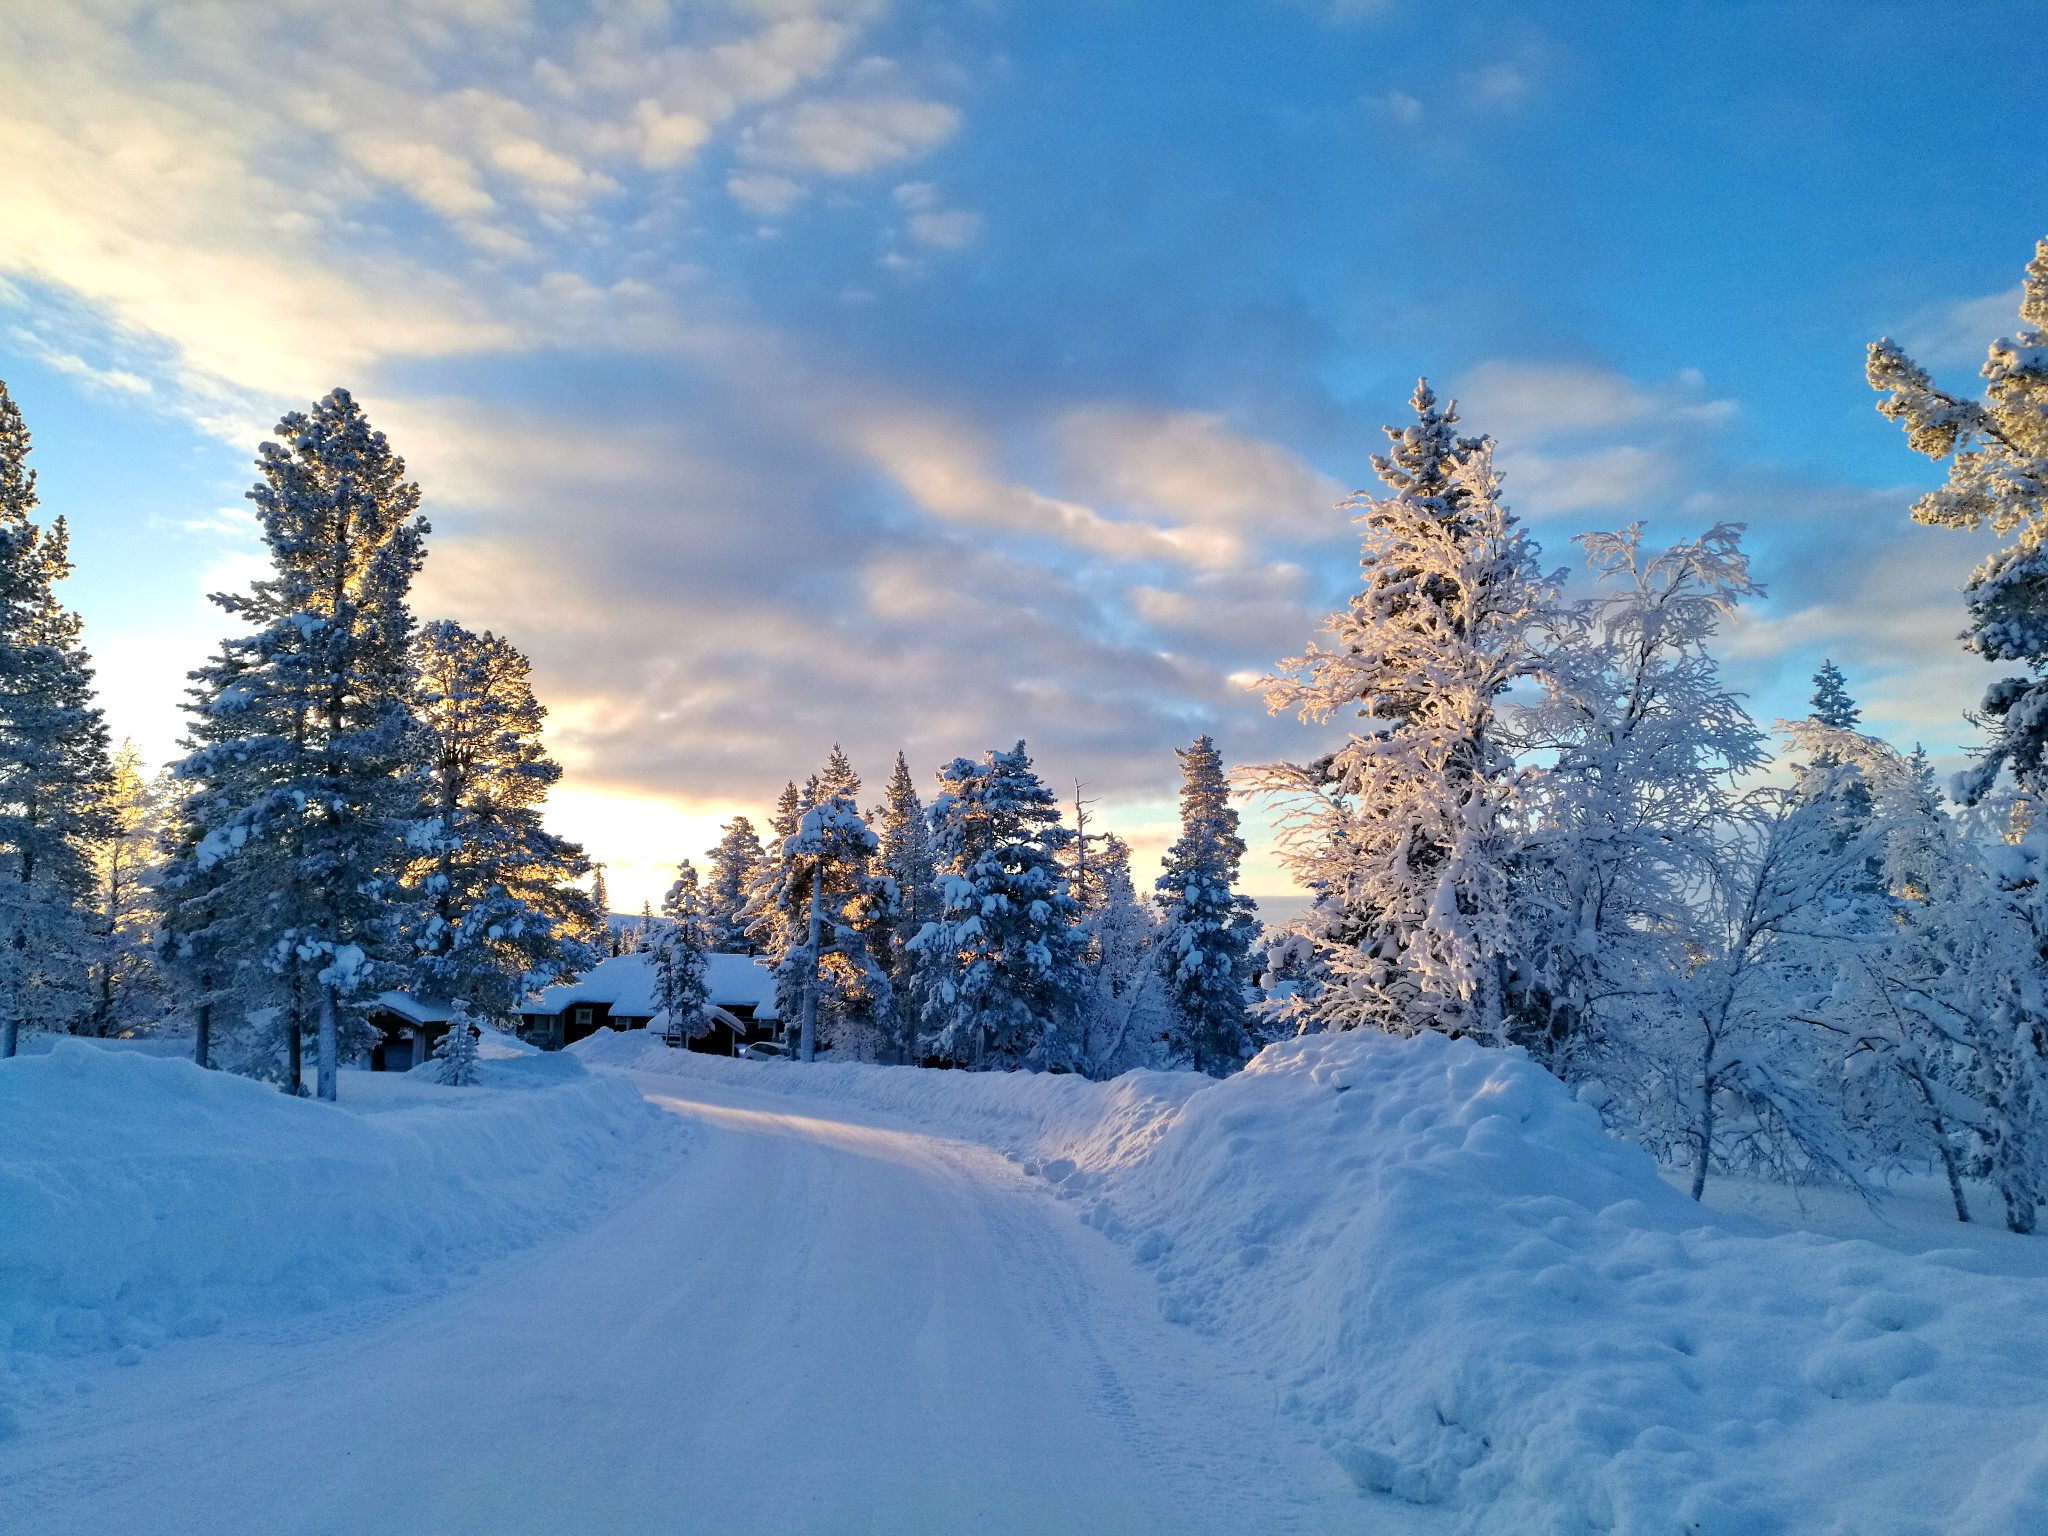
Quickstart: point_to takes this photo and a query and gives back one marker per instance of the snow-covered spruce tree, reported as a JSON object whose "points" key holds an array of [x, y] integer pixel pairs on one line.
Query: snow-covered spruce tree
{"points": [[299, 777], [128, 990], [775, 895], [828, 981], [999, 974], [1997, 453], [734, 864], [53, 763], [497, 907], [1831, 704], [681, 945], [905, 857], [1406, 829], [1640, 746], [1207, 929], [201, 908], [1122, 1017], [455, 1057]]}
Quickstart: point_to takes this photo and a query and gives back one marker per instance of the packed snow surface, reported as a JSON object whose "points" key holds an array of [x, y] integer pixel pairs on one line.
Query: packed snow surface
{"points": [[1486, 1306], [143, 1198], [1368, 1285]]}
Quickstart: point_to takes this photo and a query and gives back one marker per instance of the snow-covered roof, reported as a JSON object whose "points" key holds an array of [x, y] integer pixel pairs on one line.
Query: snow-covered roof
{"points": [[406, 1006], [625, 983]]}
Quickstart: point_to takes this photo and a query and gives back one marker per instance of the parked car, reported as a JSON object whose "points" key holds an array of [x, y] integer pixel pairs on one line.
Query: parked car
{"points": [[765, 1050]]}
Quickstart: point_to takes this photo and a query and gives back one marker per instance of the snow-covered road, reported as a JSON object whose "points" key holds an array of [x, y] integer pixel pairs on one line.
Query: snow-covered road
{"points": [[816, 1321]]}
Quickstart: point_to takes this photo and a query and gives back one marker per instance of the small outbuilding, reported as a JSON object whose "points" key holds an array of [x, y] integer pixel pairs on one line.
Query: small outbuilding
{"points": [[407, 1030]]}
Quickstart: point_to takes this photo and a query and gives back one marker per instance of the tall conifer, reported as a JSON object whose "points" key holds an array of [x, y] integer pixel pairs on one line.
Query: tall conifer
{"points": [[298, 786], [53, 762]]}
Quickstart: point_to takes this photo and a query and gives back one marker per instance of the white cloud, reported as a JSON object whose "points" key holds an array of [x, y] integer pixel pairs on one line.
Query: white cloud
{"points": [[436, 179], [952, 230], [943, 469], [1519, 401], [1400, 106], [1498, 87], [1957, 334], [848, 137], [763, 193], [1191, 467]]}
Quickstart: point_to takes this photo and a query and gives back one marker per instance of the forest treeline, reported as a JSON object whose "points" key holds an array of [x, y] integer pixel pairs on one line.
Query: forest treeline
{"points": [[1551, 824]]}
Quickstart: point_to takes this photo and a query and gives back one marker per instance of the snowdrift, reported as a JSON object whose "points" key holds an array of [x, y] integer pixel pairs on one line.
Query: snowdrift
{"points": [[1487, 1305], [143, 1197]]}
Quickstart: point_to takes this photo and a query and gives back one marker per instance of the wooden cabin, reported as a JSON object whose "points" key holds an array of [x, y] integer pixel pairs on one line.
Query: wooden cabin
{"points": [[619, 993], [407, 1030]]}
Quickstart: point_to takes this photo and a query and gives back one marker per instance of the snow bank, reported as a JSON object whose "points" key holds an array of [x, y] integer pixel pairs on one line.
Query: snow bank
{"points": [[143, 1197], [1486, 1304]]}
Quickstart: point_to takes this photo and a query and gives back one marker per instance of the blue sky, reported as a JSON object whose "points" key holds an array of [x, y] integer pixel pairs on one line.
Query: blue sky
{"points": [[932, 375]]}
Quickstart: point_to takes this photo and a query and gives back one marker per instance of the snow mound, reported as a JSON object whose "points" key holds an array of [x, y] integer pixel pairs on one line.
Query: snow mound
{"points": [[1484, 1303], [142, 1198]]}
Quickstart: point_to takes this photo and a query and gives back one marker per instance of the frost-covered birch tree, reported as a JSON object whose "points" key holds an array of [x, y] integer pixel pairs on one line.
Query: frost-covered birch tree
{"points": [[1122, 1018], [299, 781], [1206, 927], [53, 763], [1637, 747], [1405, 830]]}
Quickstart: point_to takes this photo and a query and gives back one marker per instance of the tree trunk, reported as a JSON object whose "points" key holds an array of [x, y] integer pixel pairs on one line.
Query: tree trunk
{"points": [[807, 1048], [1704, 1150], [10, 1036], [1955, 1178], [296, 1087], [329, 1088], [202, 1035]]}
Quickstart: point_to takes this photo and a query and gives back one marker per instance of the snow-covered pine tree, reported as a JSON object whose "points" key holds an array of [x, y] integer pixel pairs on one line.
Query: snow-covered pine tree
{"points": [[734, 863], [201, 907], [127, 987], [53, 763], [1004, 976], [1641, 744], [297, 779], [1207, 928], [1831, 704], [1997, 453], [601, 896], [828, 980], [1405, 829], [455, 1056], [681, 946], [1122, 1018], [775, 896], [905, 857], [497, 906], [835, 778]]}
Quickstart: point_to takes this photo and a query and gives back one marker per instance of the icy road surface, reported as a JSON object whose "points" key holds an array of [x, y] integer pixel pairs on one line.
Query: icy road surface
{"points": [[815, 1322]]}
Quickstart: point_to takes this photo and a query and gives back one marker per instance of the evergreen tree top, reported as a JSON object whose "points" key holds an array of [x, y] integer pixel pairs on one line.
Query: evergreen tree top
{"points": [[17, 480], [1424, 452], [1831, 702]]}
